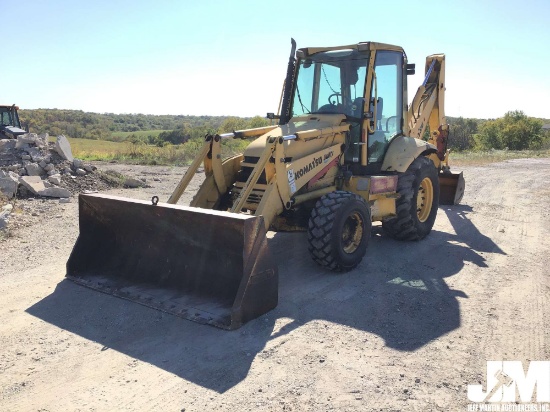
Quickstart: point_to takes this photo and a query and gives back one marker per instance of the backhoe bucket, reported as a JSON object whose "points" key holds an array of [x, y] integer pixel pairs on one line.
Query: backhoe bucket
{"points": [[451, 188], [204, 265]]}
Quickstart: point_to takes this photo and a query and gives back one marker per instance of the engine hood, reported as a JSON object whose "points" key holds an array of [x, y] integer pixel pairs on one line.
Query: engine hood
{"points": [[297, 124]]}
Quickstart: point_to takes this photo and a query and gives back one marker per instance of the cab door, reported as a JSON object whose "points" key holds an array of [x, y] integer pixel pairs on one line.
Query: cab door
{"points": [[387, 89]]}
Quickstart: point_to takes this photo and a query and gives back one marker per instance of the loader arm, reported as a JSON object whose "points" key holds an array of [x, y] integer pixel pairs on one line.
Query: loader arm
{"points": [[284, 175], [210, 155]]}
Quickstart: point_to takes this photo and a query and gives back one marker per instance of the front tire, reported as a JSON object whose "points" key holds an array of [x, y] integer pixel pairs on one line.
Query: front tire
{"points": [[416, 207], [339, 230]]}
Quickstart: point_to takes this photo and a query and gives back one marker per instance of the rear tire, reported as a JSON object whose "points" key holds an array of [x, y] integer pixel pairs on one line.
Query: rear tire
{"points": [[339, 230], [416, 208]]}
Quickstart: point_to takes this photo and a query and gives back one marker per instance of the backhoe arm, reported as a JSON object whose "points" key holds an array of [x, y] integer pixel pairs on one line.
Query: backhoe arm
{"points": [[428, 106]]}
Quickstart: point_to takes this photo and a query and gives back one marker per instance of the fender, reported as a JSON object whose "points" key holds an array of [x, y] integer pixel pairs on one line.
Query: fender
{"points": [[402, 151]]}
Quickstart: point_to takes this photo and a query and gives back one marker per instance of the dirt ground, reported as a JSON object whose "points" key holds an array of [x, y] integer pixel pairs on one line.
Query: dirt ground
{"points": [[409, 329]]}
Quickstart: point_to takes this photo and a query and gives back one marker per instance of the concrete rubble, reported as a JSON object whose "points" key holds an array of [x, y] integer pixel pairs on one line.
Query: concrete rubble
{"points": [[6, 144], [63, 148], [133, 183], [8, 183], [37, 171], [4, 215], [31, 165], [44, 188]]}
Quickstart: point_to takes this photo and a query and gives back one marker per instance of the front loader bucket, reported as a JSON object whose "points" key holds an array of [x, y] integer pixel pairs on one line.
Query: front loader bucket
{"points": [[204, 265], [451, 188]]}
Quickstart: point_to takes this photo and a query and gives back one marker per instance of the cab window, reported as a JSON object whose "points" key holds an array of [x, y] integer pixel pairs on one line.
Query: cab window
{"points": [[388, 67]]}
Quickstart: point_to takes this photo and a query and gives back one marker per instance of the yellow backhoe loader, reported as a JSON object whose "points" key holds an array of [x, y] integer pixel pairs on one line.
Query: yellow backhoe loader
{"points": [[347, 150]]}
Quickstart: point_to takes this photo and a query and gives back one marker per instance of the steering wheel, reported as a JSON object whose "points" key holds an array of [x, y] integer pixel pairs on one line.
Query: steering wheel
{"points": [[338, 95], [393, 119]]}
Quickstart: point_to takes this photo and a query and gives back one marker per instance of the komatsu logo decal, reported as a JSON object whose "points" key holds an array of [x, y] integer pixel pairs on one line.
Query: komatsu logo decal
{"points": [[313, 164], [309, 167]]}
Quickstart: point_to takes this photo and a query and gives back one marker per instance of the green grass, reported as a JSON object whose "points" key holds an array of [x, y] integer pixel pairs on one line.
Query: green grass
{"points": [[94, 149], [120, 136], [126, 152], [478, 158]]}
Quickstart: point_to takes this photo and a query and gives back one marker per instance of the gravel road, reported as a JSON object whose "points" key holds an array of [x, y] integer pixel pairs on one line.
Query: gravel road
{"points": [[409, 329]]}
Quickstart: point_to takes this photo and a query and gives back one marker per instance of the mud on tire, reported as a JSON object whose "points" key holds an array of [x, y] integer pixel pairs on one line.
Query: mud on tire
{"points": [[338, 230], [416, 208]]}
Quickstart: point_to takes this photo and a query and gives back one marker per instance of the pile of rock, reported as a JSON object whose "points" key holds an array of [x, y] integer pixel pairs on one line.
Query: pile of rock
{"points": [[31, 165], [4, 215]]}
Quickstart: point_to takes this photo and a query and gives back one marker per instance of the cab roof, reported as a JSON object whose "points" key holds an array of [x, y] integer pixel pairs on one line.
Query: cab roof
{"points": [[362, 46]]}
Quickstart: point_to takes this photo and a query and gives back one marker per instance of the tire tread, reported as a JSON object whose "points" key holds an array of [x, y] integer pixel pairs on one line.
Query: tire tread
{"points": [[402, 226], [320, 226]]}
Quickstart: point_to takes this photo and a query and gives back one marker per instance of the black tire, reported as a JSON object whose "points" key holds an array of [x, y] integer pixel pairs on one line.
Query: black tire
{"points": [[338, 230], [415, 213]]}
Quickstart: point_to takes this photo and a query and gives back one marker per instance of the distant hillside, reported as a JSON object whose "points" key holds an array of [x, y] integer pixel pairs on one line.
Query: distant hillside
{"points": [[80, 124], [465, 133]]}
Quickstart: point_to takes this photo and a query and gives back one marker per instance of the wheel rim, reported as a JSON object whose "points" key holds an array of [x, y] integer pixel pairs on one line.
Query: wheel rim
{"points": [[352, 233], [424, 199]]}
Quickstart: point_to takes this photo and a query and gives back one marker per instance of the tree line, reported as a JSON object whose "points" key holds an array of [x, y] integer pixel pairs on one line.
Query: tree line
{"points": [[186, 131], [515, 130], [104, 126]]}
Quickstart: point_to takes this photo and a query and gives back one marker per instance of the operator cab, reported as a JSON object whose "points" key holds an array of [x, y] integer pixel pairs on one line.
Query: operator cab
{"points": [[10, 126], [336, 82]]}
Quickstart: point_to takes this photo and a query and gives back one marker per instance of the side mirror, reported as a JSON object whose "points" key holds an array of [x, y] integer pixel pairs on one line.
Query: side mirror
{"points": [[272, 116], [410, 69]]}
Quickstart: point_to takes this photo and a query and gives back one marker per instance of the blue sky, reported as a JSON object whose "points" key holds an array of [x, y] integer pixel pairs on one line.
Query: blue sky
{"points": [[229, 57]]}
